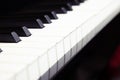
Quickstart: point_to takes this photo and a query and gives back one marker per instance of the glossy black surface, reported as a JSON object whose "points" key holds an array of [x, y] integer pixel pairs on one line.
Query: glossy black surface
{"points": [[16, 22], [11, 37], [21, 31]]}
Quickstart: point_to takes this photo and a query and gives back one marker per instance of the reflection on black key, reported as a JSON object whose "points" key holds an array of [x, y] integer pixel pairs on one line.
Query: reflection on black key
{"points": [[52, 15], [68, 7], [0, 50], [15, 22], [61, 10], [40, 23], [21, 31], [45, 19], [9, 37]]}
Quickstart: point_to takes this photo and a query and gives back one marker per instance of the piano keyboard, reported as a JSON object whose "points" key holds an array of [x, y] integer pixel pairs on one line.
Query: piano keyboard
{"points": [[41, 54]]}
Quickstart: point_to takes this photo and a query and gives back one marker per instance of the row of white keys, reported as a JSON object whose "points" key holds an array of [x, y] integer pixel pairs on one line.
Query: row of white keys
{"points": [[42, 58], [36, 66], [104, 17]]}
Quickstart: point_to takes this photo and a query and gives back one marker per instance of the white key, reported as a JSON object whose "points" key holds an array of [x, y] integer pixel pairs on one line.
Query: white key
{"points": [[44, 67], [6, 76], [60, 54], [33, 68], [52, 58], [73, 38], [13, 69]]}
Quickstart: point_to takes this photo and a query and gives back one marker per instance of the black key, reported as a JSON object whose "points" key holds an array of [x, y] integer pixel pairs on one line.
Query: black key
{"points": [[15, 5], [61, 10], [67, 6], [40, 23], [33, 23], [28, 17], [51, 14], [45, 19], [42, 8], [81, 0], [21, 31], [72, 2], [0, 50], [11, 37]]}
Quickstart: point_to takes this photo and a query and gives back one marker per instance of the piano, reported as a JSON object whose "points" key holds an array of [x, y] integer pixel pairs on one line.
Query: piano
{"points": [[38, 38]]}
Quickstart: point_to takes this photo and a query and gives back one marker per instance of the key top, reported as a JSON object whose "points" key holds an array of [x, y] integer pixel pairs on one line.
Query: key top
{"points": [[45, 19], [52, 15], [21, 31], [61, 11], [9, 37], [68, 7]]}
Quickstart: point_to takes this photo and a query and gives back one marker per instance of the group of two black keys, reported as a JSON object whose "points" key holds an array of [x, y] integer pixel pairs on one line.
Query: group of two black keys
{"points": [[31, 16]]}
